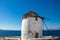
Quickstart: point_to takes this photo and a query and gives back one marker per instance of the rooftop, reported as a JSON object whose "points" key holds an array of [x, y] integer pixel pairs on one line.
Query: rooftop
{"points": [[31, 14]]}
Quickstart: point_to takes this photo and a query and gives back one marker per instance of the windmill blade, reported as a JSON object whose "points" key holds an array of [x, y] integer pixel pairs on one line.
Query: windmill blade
{"points": [[45, 25], [47, 19]]}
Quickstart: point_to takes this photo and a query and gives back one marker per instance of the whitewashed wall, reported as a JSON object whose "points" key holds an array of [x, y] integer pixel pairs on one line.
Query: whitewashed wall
{"points": [[35, 26], [24, 33], [32, 25]]}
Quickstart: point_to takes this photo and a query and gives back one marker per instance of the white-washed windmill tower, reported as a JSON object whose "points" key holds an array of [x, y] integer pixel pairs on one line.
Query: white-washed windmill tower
{"points": [[31, 26]]}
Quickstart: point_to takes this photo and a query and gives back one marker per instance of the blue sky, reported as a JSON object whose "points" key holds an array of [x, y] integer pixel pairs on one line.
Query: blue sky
{"points": [[11, 12]]}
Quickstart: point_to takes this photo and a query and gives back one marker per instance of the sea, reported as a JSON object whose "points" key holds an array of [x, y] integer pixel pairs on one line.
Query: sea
{"points": [[7, 33]]}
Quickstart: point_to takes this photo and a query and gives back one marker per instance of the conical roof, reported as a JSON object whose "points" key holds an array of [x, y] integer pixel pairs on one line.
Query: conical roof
{"points": [[31, 14]]}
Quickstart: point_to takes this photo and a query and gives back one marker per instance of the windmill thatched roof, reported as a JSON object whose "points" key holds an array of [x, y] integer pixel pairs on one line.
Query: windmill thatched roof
{"points": [[31, 14]]}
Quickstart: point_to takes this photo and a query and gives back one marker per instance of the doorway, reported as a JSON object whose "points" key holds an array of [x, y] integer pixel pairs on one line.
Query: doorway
{"points": [[36, 35]]}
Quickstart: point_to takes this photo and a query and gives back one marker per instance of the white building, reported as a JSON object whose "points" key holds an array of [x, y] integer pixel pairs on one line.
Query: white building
{"points": [[31, 26]]}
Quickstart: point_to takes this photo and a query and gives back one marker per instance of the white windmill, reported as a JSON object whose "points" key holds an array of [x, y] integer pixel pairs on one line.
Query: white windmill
{"points": [[31, 26]]}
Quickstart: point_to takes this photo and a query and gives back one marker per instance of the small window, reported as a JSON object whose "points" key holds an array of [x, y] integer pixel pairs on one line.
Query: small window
{"points": [[36, 18]]}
